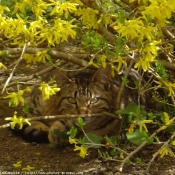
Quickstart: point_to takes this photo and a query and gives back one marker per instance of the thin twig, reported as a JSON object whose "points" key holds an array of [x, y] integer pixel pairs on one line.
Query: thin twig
{"points": [[18, 61]]}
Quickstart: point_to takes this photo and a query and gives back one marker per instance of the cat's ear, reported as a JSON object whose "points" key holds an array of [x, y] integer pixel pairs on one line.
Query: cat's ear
{"points": [[103, 75], [59, 77]]}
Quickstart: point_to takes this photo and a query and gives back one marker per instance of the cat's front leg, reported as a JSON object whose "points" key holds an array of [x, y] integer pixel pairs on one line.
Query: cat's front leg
{"points": [[54, 134], [36, 132]]}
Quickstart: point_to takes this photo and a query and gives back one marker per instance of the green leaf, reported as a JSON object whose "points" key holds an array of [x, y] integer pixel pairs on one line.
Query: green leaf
{"points": [[61, 134], [111, 139], [151, 116], [96, 43], [114, 153], [104, 154], [139, 161], [100, 153], [80, 122], [131, 108], [81, 140], [161, 70], [118, 47], [50, 60], [25, 109], [93, 138], [72, 132], [138, 137], [125, 81]]}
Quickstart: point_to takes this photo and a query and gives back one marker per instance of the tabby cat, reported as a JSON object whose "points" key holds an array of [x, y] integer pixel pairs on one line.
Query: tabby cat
{"points": [[84, 93]]}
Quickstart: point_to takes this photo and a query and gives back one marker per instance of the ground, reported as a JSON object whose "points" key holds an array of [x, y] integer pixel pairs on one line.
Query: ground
{"points": [[45, 159]]}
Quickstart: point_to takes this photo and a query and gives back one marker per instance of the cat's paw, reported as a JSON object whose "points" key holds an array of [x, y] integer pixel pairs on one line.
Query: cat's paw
{"points": [[36, 132], [57, 135]]}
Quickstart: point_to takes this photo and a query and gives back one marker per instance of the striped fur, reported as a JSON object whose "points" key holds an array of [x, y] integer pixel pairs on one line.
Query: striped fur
{"points": [[84, 93]]}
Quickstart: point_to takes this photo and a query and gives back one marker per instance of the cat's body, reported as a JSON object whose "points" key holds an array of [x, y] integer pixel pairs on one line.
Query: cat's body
{"points": [[84, 93]]}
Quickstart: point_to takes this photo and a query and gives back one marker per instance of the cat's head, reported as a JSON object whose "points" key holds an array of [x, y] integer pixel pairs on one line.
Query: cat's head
{"points": [[85, 93]]}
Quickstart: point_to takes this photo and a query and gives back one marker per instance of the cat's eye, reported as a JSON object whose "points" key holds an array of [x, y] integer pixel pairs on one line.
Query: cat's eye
{"points": [[94, 100], [71, 100]]}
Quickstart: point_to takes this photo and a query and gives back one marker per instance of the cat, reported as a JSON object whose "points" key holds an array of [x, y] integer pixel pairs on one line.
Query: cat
{"points": [[82, 93]]}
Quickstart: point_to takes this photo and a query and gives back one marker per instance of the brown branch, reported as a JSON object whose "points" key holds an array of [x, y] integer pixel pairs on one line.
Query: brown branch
{"points": [[69, 57], [107, 34], [66, 116], [53, 53], [167, 32]]}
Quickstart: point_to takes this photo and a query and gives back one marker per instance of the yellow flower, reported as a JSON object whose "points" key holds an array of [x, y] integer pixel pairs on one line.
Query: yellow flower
{"points": [[91, 63], [173, 142], [151, 48], [47, 90], [132, 126], [170, 86], [27, 89], [103, 60], [167, 84], [2, 66], [19, 7], [148, 55], [148, 32], [2, 8], [37, 57], [71, 141], [18, 164], [156, 8], [15, 120], [165, 151], [59, 32], [121, 155], [42, 56], [167, 121], [120, 62], [83, 150], [39, 8], [142, 63], [28, 168], [88, 17], [131, 29], [38, 153], [142, 124], [104, 18], [15, 98], [169, 47], [131, 1], [63, 8], [160, 84]]}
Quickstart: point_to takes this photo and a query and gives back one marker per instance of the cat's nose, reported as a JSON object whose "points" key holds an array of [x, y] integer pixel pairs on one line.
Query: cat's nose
{"points": [[83, 110]]}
